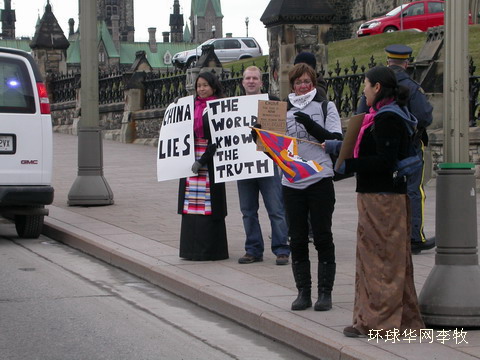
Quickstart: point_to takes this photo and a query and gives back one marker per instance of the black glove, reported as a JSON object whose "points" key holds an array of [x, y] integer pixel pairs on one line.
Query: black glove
{"points": [[208, 154], [254, 133], [304, 119], [196, 166], [315, 129]]}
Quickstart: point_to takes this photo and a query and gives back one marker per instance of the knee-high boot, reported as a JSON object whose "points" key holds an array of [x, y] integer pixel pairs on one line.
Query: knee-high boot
{"points": [[303, 281], [326, 277]]}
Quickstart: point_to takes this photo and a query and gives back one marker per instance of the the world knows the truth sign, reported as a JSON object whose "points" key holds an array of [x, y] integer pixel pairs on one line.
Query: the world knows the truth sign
{"points": [[236, 157]]}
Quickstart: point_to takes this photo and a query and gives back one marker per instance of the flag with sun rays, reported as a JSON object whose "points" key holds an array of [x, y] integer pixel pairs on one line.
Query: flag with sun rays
{"points": [[284, 151]]}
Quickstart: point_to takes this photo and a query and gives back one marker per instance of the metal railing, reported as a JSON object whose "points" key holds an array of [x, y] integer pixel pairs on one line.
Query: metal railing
{"points": [[344, 87]]}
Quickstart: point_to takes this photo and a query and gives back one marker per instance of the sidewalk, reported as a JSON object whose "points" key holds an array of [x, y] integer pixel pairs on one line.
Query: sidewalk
{"points": [[140, 234]]}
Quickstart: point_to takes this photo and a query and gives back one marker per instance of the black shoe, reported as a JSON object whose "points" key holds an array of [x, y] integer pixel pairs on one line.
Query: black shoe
{"points": [[248, 259], [418, 246], [350, 331]]}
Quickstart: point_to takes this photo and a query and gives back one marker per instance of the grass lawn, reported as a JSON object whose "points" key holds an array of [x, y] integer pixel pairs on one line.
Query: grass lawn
{"points": [[361, 49]]}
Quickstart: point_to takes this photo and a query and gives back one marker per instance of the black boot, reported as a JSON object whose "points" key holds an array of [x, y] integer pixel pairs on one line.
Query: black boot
{"points": [[303, 281], [326, 277]]}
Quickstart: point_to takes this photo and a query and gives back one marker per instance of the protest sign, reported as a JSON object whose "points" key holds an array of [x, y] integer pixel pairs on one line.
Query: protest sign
{"points": [[236, 157], [176, 151], [272, 115], [348, 144]]}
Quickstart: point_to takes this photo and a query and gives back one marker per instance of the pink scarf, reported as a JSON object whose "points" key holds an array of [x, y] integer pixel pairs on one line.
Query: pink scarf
{"points": [[367, 122], [200, 105]]}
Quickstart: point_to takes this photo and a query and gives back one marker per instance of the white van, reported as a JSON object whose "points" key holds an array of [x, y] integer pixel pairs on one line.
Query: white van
{"points": [[26, 150]]}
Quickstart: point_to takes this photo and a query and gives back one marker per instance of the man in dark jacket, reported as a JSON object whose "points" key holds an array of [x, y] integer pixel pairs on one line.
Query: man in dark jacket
{"points": [[398, 57]]}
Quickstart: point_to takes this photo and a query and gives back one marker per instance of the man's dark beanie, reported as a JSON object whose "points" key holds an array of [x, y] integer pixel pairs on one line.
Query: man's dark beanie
{"points": [[307, 58]]}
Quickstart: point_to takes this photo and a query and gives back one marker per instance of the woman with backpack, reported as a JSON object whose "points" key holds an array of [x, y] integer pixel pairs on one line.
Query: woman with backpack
{"points": [[385, 296], [314, 195]]}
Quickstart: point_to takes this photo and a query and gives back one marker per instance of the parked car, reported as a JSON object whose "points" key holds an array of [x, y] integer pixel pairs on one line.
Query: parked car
{"points": [[26, 149], [226, 49], [418, 15]]}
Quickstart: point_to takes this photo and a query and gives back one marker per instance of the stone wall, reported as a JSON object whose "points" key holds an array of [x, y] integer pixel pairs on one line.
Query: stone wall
{"points": [[50, 61], [285, 42], [350, 14]]}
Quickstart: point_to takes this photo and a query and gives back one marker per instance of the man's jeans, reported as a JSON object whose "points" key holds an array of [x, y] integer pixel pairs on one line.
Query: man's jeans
{"points": [[271, 189]]}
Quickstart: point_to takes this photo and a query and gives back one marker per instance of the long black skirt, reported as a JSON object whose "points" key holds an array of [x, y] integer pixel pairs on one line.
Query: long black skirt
{"points": [[203, 238]]}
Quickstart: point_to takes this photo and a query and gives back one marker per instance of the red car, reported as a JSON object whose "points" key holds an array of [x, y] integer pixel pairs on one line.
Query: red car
{"points": [[419, 15]]}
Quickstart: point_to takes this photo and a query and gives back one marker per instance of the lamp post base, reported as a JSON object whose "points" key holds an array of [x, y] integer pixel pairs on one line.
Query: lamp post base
{"points": [[451, 293], [89, 191], [451, 296]]}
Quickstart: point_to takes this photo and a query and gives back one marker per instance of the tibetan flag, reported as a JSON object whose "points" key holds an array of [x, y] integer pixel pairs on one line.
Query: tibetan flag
{"points": [[284, 151]]}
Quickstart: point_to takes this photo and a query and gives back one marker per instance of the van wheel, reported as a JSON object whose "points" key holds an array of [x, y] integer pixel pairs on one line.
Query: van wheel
{"points": [[191, 61], [29, 226]]}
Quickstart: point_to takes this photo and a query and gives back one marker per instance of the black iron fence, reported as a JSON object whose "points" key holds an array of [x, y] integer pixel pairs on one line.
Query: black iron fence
{"points": [[344, 86]]}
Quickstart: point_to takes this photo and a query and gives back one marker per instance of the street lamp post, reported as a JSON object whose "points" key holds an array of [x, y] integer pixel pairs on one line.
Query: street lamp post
{"points": [[213, 31], [246, 23], [90, 187], [451, 294]]}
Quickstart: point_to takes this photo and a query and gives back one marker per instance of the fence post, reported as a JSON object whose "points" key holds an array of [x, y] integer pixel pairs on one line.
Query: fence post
{"points": [[134, 99]]}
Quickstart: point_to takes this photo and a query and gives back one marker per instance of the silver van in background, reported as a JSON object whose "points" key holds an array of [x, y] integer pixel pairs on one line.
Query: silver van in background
{"points": [[226, 49]]}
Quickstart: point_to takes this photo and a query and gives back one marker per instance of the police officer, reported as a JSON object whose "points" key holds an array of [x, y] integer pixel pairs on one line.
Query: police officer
{"points": [[398, 57]]}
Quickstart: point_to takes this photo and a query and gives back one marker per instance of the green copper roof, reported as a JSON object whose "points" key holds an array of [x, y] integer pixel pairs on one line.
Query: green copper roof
{"points": [[104, 35], [128, 51], [16, 44], [156, 60], [200, 6]]}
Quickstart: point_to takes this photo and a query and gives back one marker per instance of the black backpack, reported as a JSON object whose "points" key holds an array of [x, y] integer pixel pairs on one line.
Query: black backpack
{"points": [[336, 176], [412, 163]]}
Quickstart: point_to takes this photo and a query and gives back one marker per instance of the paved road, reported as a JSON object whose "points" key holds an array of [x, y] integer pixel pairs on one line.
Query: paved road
{"points": [[58, 303]]}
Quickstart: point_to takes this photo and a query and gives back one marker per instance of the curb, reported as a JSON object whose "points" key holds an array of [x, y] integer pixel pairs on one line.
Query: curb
{"points": [[309, 337]]}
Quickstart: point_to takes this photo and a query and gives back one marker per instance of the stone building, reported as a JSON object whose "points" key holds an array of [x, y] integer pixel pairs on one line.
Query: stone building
{"points": [[206, 20], [107, 10], [49, 45], [7, 17], [176, 23]]}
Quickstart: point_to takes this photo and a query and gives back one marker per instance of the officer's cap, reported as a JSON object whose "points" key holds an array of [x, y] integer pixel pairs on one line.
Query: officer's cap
{"points": [[398, 51]]}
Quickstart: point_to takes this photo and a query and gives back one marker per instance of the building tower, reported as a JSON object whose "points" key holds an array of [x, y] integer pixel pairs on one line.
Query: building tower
{"points": [[206, 20], [176, 23], [121, 8], [8, 21]]}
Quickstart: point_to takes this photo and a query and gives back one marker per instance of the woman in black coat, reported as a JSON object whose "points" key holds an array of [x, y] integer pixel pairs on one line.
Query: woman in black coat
{"points": [[201, 202]]}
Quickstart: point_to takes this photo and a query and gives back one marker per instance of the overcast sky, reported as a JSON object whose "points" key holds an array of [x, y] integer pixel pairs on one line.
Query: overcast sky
{"points": [[148, 13]]}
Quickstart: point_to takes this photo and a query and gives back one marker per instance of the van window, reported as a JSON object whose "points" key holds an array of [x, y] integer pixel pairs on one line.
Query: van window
{"points": [[16, 93], [219, 44], [232, 44], [250, 43]]}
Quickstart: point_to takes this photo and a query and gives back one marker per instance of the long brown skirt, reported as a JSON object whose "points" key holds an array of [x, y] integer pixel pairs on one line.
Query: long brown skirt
{"points": [[385, 296]]}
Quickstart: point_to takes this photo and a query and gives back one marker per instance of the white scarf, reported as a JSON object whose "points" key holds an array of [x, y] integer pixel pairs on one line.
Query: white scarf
{"points": [[300, 101]]}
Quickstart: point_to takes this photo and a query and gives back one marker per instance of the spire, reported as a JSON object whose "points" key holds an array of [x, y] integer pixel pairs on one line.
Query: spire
{"points": [[48, 34], [8, 21], [176, 23]]}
